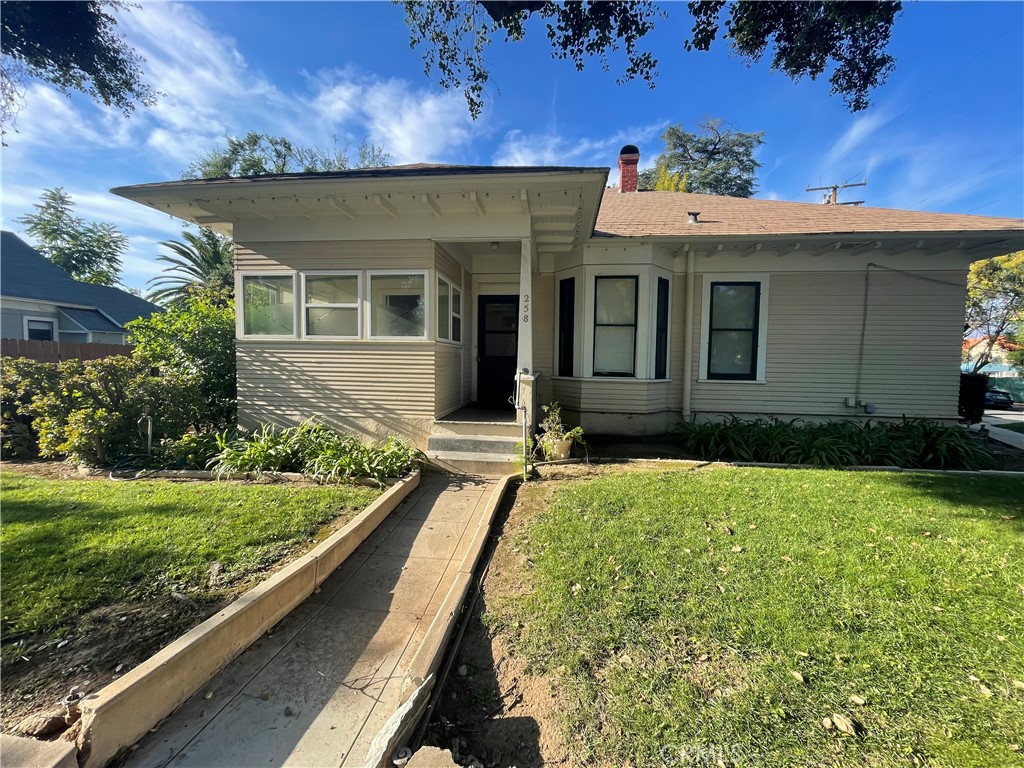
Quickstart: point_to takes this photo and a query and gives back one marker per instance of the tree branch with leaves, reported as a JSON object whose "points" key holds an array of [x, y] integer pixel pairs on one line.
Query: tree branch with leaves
{"points": [[806, 38], [995, 307]]}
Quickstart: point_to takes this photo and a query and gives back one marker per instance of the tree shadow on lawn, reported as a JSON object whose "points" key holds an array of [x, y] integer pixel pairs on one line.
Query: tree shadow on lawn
{"points": [[990, 499]]}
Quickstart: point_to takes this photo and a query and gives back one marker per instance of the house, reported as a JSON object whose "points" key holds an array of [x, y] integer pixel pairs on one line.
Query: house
{"points": [[38, 301], [391, 300]]}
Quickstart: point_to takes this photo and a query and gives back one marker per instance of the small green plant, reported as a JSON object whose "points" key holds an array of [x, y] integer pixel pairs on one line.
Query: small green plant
{"points": [[554, 433]]}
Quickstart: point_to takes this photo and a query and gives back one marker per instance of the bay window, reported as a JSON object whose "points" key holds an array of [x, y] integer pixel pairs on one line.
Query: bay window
{"points": [[615, 313]]}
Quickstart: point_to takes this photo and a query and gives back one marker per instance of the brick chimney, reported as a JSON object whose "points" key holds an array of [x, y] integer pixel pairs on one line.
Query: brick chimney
{"points": [[629, 157]]}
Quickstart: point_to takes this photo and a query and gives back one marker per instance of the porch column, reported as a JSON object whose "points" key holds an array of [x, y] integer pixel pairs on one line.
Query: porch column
{"points": [[524, 353]]}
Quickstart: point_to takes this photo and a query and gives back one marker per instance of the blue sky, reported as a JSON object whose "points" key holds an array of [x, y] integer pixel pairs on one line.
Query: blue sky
{"points": [[946, 133]]}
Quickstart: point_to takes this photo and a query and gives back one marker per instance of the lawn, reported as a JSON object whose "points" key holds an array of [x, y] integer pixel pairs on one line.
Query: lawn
{"points": [[74, 545], [754, 616], [1013, 427]]}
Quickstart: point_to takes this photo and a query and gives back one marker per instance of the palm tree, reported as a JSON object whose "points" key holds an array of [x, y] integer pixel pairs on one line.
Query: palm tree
{"points": [[204, 260]]}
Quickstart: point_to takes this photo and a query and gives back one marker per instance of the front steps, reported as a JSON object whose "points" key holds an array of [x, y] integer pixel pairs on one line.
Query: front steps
{"points": [[475, 454]]}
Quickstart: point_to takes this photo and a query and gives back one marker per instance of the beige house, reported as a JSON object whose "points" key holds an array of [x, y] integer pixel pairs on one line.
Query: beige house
{"points": [[419, 300]]}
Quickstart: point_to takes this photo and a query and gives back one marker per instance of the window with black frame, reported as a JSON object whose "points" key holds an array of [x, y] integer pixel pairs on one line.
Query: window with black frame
{"points": [[733, 329], [615, 302]]}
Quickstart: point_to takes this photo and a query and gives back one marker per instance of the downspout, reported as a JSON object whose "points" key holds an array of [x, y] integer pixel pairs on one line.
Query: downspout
{"points": [[688, 333]]}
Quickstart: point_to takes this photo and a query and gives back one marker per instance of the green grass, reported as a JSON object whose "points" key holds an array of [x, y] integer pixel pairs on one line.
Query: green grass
{"points": [[1011, 427], [673, 608], [72, 545]]}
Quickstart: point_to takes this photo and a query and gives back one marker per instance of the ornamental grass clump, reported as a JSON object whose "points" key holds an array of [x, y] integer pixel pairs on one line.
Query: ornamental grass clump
{"points": [[911, 443]]}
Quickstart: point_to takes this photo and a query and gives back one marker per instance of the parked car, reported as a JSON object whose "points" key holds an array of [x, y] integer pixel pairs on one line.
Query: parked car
{"points": [[998, 398]]}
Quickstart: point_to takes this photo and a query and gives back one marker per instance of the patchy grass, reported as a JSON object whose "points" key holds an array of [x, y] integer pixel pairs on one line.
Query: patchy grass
{"points": [[72, 545], [724, 614]]}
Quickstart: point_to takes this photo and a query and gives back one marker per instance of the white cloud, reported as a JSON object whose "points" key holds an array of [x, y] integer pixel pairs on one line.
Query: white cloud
{"points": [[520, 148]]}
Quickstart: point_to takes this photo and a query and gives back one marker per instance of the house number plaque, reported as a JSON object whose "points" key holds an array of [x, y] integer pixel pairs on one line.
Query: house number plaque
{"points": [[526, 307]]}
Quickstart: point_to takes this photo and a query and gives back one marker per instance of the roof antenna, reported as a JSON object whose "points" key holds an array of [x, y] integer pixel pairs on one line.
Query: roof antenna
{"points": [[833, 189]]}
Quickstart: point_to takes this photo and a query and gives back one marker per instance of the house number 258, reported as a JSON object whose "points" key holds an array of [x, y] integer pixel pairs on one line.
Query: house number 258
{"points": [[526, 307]]}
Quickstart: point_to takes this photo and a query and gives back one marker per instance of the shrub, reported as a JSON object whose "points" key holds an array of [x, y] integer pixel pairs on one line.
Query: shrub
{"points": [[911, 443], [193, 450], [91, 413], [21, 380], [195, 340]]}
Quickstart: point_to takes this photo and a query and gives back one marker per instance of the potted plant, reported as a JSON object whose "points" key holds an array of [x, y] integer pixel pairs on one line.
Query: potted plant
{"points": [[555, 441]]}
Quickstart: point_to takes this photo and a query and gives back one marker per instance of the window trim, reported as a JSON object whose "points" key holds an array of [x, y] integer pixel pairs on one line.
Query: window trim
{"points": [[296, 308], [54, 329], [634, 325], [358, 306], [453, 286], [427, 303], [761, 336]]}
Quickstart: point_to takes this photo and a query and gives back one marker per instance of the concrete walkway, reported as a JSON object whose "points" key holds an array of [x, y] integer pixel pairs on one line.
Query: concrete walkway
{"points": [[996, 423], [316, 690]]}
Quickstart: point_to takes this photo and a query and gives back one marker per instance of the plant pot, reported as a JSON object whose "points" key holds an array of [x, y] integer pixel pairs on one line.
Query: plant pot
{"points": [[558, 450]]}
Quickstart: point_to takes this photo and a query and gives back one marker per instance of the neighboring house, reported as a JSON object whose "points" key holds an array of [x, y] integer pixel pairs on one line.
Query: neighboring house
{"points": [[39, 301], [386, 300]]}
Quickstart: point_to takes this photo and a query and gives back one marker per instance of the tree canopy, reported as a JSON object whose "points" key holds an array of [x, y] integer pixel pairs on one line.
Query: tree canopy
{"points": [[87, 251], [715, 160], [260, 154], [806, 38], [995, 307], [73, 46]]}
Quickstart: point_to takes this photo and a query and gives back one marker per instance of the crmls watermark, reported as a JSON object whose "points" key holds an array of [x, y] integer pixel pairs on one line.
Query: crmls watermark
{"points": [[673, 755]]}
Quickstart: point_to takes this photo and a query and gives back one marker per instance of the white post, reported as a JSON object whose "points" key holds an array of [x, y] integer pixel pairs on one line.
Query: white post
{"points": [[524, 357], [524, 354]]}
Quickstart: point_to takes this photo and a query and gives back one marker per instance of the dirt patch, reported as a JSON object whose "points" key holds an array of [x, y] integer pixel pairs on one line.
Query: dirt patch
{"points": [[491, 709], [41, 669], [51, 470]]}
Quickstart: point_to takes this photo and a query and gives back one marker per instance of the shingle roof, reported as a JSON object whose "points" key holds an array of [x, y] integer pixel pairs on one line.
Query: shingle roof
{"points": [[26, 274], [90, 319], [664, 214]]}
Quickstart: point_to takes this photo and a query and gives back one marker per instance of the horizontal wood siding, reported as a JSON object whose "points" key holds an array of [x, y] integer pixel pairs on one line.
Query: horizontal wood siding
{"points": [[543, 330], [911, 347], [612, 395], [448, 379], [447, 264], [334, 254], [371, 389]]}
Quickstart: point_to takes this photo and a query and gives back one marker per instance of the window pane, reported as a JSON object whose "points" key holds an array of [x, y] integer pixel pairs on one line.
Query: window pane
{"points": [[661, 331], [397, 306], [39, 330], [616, 300], [332, 321], [501, 316], [332, 290], [733, 306], [613, 350], [456, 301], [732, 353], [456, 329], [500, 344], [442, 309], [269, 306]]}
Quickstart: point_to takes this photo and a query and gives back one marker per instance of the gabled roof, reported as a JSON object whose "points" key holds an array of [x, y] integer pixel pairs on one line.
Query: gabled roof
{"points": [[665, 214], [27, 274]]}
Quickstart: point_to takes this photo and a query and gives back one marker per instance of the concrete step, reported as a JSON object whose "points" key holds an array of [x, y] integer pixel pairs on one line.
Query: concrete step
{"points": [[474, 463], [490, 444], [474, 428]]}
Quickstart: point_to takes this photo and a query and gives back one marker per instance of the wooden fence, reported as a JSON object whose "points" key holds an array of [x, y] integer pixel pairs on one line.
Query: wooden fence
{"points": [[55, 351]]}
